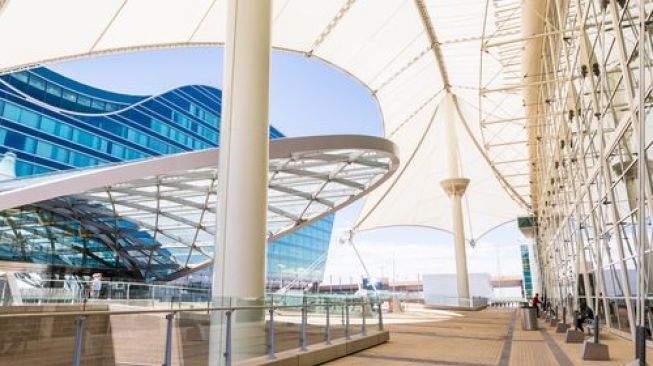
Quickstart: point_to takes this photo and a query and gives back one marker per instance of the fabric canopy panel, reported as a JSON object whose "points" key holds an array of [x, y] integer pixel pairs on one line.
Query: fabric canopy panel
{"points": [[405, 52], [414, 195]]}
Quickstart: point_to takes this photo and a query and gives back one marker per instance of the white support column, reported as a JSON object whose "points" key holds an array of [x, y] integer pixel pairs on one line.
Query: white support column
{"points": [[455, 187], [239, 268], [240, 243]]}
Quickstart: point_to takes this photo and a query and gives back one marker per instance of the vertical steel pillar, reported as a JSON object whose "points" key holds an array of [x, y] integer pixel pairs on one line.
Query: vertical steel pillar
{"points": [[455, 187], [79, 336], [239, 265], [243, 171]]}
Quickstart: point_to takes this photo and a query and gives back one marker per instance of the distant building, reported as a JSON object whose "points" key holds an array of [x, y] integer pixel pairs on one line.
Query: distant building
{"points": [[49, 122]]}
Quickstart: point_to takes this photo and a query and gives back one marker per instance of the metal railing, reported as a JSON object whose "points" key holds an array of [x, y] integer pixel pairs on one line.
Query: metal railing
{"points": [[452, 301], [227, 315], [78, 291]]}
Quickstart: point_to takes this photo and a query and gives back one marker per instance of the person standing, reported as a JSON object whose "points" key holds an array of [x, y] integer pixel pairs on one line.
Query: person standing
{"points": [[584, 314], [96, 285], [536, 303]]}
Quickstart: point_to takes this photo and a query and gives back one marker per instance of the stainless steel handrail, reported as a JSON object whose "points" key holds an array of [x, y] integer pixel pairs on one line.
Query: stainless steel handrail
{"points": [[83, 315]]}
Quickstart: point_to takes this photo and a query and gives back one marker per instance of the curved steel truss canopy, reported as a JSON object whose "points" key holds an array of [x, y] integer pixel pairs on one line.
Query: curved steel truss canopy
{"points": [[173, 200]]}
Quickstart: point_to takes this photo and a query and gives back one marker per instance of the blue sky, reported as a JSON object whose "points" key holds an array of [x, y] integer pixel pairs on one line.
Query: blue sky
{"points": [[309, 97]]}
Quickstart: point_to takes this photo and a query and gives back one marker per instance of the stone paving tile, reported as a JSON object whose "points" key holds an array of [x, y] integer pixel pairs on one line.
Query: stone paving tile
{"points": [[478, 338], [531, 354], [471, 340], [621, 350]]}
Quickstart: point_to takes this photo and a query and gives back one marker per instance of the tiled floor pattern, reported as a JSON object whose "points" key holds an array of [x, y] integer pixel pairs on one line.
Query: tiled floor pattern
{"points": [[489, 337]]}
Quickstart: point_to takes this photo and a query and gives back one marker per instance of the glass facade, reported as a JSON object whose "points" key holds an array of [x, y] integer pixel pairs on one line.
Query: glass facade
{"points": [[54, 123], [526, 270]]}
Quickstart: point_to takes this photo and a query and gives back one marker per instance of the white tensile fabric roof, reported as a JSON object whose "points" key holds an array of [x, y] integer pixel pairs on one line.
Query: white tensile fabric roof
{"points": [[409, 53]]}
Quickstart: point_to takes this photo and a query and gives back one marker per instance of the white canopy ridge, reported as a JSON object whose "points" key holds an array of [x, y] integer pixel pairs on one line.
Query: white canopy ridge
{"points": [[413, 196]]}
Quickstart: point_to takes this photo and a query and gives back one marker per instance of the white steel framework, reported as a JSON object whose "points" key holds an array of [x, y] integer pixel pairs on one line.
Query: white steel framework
{"points": [[577, 86]]}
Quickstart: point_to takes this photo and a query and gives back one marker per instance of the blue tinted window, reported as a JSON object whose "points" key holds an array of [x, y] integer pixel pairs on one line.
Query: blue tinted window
{"points": [[61, 154], [11, 112], [37, 82], [83, 138], [48, 125], [85, 101], [53, 89], [65, 131], [22, 76], [97, 104], [44, 149], [15, 140], [29, 118], [68, 95]]}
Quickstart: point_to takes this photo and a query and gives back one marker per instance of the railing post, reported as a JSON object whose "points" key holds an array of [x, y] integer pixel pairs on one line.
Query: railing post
{"points": [[167, 357], [347, 335], [327, 329], [227, 343], [363, 329], [302, 337], [380, 309], [77, 353], [271, 350], [128, 288]]}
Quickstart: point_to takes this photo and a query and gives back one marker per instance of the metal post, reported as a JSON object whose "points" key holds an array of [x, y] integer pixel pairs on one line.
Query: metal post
{"points": [[227, 343], [347, 335], [564, 314], [271, 335], [302, 336], [596, 328], [327, 329], [640, 345], [128, 288], [380, 309], [363, 329], [167, 358], [77, 354]]}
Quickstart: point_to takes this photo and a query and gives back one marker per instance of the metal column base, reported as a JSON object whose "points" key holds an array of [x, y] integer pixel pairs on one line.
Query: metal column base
{"points": [[595, 351], [635, 362], [562, 328], [574, 336]]}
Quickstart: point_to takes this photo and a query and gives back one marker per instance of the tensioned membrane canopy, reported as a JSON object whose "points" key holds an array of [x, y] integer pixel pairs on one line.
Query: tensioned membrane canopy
{"points": [[409, 53], [171, 200]]}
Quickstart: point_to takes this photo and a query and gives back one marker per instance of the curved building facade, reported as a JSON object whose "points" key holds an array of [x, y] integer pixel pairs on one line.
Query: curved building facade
{"points": [[54, 123]]}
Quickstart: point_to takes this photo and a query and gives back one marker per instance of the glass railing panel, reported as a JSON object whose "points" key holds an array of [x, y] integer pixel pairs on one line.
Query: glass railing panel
{"points": [[46, 337], [179, 332]]}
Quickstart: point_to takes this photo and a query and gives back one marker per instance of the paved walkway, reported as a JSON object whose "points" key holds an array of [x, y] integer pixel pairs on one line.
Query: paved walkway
{"points": [[489, 337]]}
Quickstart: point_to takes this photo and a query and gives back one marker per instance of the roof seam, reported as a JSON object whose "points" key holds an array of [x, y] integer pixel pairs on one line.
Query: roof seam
{"points": [[330, 27], [106, 29]]}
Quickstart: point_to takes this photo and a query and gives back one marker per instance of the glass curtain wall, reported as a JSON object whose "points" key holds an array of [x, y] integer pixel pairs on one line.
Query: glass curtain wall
{"points": [[596, 76]]}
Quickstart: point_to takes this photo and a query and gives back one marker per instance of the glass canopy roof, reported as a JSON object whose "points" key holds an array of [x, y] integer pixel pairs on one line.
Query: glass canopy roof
{"points": [[130, 215]]}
